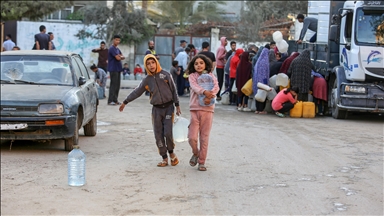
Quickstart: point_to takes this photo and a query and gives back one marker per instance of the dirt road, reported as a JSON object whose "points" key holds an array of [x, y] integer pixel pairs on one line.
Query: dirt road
{"points": [[257, 165]]}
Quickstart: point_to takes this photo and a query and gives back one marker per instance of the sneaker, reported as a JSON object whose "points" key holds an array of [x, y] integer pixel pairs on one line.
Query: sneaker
{"points": [[240, 108], [280, 114], [246, 109], [112, 103]]}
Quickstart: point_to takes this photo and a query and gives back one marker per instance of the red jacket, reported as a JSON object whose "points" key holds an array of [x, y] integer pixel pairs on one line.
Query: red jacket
{"points": [[234, 62]]}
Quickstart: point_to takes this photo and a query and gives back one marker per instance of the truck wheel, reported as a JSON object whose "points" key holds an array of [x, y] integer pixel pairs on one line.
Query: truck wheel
{"points": [[70, 142], [336, 112], [90, 128]]}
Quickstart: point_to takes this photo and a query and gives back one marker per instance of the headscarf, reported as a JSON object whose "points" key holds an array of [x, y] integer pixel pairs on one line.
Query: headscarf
{"points": [[287, 62], [254, 60], [158, 68], [243, 72], [234, 62], [272, 56], [275, 67], [261, 70], [300, 71]]}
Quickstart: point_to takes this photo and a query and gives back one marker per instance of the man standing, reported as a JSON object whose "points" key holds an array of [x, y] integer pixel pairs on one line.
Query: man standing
{"points": [[151, 49], [114, 67], [205, 51], [51, 37], [193, 51], [220, 63], [183, 60], [8, 43], [309, 23], [42, 40], [183, 44], [233, 49], [102, 61]]}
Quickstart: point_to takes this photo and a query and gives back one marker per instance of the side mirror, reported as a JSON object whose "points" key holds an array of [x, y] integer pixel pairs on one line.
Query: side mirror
{"points": [[348, 46], [82, 81], [334, 33]]}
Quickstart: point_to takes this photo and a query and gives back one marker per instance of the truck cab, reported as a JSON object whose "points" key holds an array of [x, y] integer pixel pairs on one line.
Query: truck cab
{"points": [[352, 60]]}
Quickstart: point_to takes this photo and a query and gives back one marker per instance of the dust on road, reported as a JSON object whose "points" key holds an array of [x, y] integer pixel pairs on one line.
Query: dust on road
{"points": [[257, 164]]}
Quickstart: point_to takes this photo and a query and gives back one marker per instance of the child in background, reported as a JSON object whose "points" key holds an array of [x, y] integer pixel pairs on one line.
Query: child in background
{"points": [[175, 71], [126, 70], [201, 116], [163, 97], [137, 70]]}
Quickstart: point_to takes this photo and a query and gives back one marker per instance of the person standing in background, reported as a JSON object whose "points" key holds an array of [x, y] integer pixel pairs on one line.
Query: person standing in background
{"points": [[115, 67], [102, 61], [220, 63], [43, 40], [51, 37], [8, 43], [183, 44]]}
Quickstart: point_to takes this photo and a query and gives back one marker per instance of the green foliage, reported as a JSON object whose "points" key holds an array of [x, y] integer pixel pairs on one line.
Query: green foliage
{"points": [[34, 10], [121, 19], [258, 12], [75, 16], [181, 13]]}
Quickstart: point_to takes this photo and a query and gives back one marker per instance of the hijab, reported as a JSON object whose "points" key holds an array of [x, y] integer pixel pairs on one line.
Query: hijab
{"points": [[261, 70], [287, 62]]}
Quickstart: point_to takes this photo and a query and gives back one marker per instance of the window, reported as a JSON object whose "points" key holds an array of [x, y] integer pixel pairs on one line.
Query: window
{"points": [[348, 27], [65, 13], [77, 69], [82, 68]]}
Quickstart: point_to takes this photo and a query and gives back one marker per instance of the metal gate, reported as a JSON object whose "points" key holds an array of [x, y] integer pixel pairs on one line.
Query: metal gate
{"points": [[165, 45]]}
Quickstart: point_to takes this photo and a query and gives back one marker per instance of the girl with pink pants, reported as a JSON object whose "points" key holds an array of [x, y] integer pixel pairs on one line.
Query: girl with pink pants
{"points": [[201, 116]]}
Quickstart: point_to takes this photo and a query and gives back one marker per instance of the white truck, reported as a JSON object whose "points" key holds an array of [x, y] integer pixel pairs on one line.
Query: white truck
{"points": [[349, 52]]}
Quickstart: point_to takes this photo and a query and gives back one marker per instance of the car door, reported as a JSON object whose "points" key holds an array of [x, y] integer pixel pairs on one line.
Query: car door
{"points": [[89, 91], [82, 90]]}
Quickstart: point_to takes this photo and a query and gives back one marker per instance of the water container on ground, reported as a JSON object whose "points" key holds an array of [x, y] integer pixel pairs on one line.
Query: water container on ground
{"points": [[180, 129], [225, 98], [131, 76], [76, 167], [268, 107], [309, 110], [263, 86], [297, 110], [261, 95], [271, 94], [272, 81], [282, 79], [253, 103]]}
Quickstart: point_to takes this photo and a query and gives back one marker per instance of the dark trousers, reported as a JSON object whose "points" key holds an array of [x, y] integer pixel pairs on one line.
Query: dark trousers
{"points": [[162, 121], [313, 38], [302, 97], [114, 87], [180, 82], [226, 80], [260, 106], [220, 79], [232, 97], [286, 107], [241, 98]]}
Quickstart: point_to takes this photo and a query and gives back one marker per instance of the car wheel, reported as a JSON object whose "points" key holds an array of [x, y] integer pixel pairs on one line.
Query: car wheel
{"points": [[336, 112], [72, 141], [90, 129]]}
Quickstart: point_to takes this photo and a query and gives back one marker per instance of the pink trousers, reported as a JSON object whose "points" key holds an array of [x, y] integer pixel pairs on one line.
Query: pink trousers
{"points": [[199, 130]]}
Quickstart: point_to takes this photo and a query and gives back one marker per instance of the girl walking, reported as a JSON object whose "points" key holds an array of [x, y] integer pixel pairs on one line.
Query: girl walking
{"points": [[201, 116]]}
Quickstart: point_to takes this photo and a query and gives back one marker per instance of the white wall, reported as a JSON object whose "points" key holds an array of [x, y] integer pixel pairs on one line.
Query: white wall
{"points": [[64, 38]]}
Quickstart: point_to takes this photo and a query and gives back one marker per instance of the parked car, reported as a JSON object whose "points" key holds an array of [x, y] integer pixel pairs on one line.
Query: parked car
{"points": [[46, 95]]}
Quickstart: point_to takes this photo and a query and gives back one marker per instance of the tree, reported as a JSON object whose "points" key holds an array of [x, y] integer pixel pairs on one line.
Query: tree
{"points": [[181, 13], [258, 12], [122, 19], [34, 10]]}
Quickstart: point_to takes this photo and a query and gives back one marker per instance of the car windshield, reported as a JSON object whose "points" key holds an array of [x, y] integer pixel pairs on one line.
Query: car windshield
{"points": [[36, 70], [369, 28]]}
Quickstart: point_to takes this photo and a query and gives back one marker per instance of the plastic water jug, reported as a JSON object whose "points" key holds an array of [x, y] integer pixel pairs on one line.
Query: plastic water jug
{"points": [[297, 110], [261, 95], [277, 36], [309, 110], [263, 86], [271, 94], [76, 167], [282, 79], [282, 46], [131, 76], [272, 81], [206, 82], [180, 129], [247, 88], [288, 86]]}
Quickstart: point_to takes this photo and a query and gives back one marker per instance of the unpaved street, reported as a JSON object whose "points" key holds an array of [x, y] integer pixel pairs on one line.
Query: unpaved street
{"points": [[257, 165]]}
